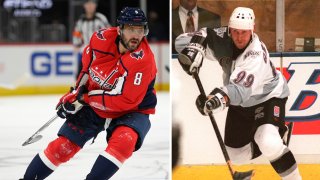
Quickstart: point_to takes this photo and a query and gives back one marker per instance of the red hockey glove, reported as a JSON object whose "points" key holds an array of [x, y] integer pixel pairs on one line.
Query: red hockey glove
{"points": [[70, 103]]}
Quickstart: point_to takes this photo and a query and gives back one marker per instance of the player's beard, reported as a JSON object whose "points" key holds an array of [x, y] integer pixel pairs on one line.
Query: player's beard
{"points": [[131, 44]]}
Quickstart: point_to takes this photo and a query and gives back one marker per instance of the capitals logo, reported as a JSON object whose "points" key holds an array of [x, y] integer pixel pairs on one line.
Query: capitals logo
{"points": [[137, 54], [303, 105], [100, 33]]}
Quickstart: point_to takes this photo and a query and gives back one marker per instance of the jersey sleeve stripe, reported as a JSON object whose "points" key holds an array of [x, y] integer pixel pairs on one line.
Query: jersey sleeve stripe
{"points": [[109, 53]]}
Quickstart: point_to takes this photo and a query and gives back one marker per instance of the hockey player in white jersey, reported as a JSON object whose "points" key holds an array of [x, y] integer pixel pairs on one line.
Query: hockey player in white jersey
{"points": [[254, 91]]}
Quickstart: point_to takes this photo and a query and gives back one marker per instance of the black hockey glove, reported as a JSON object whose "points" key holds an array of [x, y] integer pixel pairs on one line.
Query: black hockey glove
{"points": [[200, 103], [215, 102], [218, 100], [71, 102], [192, 55]]}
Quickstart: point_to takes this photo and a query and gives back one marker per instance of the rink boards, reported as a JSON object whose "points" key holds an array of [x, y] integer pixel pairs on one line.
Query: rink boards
{"points": [[262, 172], [51, 68]]}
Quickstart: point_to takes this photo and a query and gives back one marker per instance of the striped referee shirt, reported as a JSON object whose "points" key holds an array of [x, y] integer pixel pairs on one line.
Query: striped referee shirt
{"points": [[86, 27]]}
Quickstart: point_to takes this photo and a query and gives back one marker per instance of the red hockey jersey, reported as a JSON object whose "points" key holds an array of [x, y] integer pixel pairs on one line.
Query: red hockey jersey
{"points": [[118, 83]]}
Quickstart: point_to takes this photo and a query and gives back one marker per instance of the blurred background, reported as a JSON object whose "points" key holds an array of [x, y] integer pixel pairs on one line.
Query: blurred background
{"points": [[53, 20], [281, 28], [36, 41]]}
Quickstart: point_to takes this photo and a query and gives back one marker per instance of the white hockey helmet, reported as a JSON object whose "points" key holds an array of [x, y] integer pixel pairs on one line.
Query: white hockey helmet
{"points": [[242, 18]]}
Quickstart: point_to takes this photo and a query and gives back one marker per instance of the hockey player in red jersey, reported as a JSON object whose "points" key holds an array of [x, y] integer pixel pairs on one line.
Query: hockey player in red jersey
{"points": [[114, 91], [254, 91]]}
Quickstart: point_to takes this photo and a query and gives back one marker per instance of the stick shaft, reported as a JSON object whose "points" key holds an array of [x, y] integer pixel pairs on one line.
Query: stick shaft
{"points": [[290, 127], [215, 126], [43, 127], [47, 123]]}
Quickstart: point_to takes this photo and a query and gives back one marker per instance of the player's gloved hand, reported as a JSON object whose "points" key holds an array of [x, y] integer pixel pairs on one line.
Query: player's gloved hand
{"points": [[217, 101], [191, 57], [200, 103], [71, 102]]}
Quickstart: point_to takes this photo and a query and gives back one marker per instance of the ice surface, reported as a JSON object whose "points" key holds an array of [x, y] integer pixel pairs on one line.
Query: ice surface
{"points": [[21, 116]]}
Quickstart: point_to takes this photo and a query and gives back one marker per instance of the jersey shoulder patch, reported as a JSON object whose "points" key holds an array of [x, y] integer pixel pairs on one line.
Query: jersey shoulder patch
{"points": [[103, 41], [137, 54], [100, 34], [220, 31]]}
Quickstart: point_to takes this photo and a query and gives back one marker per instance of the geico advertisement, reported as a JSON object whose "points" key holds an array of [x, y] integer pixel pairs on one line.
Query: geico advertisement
{"points": [[303, 105], [59, 63], [28, 65]]}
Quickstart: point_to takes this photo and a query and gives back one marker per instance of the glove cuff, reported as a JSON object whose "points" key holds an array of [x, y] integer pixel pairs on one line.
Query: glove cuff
{"points": [[221, 94], [218, 102]]}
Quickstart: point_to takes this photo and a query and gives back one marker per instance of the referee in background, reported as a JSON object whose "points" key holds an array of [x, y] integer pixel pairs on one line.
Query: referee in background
{"points": [[86, 25]]}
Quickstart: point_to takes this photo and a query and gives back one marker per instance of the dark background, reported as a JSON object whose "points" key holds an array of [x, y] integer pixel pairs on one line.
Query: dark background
{"points": [[65, 13]]}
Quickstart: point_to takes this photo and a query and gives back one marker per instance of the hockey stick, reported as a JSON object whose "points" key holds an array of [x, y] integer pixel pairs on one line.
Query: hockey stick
{"points": [[167, 68], [235, 174], [36, 136], [290, 128]]}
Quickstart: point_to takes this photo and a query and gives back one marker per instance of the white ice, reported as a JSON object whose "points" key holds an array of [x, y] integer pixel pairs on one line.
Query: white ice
{"points": [[21, 116]]}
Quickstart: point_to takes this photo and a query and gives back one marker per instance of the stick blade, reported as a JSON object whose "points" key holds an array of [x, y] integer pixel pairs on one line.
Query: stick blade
{"points": [[247, 175], [32, 139]]}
